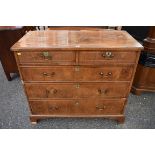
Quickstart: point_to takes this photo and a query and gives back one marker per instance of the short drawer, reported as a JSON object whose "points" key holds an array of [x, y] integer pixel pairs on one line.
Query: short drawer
{"points": [[76, 90], [101, 57], [77, 73], [50, 57], [77, 107]]}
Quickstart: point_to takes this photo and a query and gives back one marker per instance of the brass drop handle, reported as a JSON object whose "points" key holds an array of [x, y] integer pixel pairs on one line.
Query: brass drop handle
{"points": [[102, 91], [19, 54], [77, 103], [101, 73], [53, 108], [53, 73], [77, 85], [108, 55], [77, 68], [100, 107], [46, 56], [51, 91], [109, 74], [48, 74]]}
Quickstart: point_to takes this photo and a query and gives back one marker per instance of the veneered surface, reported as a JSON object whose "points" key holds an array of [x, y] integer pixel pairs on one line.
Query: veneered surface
{"points": [[77, 40]]}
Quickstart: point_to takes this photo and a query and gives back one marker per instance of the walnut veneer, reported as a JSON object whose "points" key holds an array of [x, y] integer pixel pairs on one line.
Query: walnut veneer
{"points": [[77, 73]]}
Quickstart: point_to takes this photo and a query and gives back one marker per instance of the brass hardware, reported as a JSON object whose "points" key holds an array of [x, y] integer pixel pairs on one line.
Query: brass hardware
{"points": [[19, 54], [107, 75], [56, 108], [76, 103], [102, 91], [52, 91], [108, 55], [77, 85], [46, 56], [101, 73], [48, 74], [53, 108], [100, 108], [53, 73], [77, 68]]}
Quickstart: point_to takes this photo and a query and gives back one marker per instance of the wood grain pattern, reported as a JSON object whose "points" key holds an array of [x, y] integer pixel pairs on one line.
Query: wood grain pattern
{"points": [[77, 40], [78, 73], [101, 57], [76, 90], [77, 107], [53, 58]]}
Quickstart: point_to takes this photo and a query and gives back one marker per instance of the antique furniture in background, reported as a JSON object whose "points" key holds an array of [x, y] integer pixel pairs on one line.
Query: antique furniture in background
{"points": [[82, 73], [8, 36], [138, 32], [145, 75]]}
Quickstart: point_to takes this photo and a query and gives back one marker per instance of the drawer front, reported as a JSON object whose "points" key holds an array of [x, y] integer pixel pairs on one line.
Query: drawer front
{"points": [[101, 57], [55, 73], [57, 58], [50, 91], [77, 73], [101, 74], [76, 90], [77, 107], [102, 90], [96, 107]]}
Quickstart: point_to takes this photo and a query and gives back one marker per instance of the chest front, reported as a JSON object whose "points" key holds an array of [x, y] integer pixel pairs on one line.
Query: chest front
{"points": [[76, 77]]}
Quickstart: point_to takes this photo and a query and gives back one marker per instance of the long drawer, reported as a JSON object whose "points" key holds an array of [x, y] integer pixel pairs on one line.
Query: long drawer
{"points": [[77, 73], [77, 107], [47, 57], [102, 57], [76, 90]]}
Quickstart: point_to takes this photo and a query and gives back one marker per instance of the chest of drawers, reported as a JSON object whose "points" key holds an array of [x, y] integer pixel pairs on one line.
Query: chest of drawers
{"points": [[81, 73]]}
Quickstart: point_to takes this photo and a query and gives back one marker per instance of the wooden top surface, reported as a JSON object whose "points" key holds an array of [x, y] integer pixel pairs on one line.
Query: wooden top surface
{"points": [[77, 40]]}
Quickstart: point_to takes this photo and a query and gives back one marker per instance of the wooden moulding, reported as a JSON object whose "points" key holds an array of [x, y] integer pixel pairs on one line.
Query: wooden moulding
{"points": [[84, 48]]}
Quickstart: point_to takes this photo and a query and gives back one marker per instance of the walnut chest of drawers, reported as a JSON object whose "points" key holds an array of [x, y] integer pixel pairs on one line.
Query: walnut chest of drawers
{"points": [[81, 73]]}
